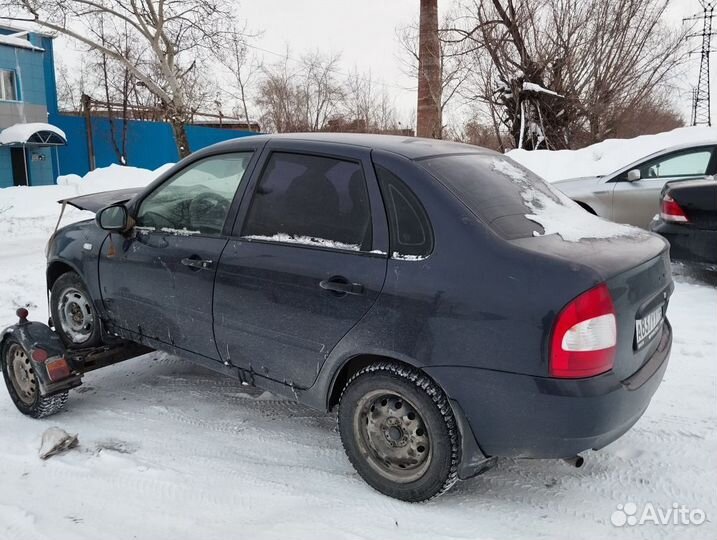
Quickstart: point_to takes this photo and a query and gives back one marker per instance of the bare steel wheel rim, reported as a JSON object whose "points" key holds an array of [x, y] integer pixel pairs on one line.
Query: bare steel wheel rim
{"points": [[76, 316], [392, 436], [21, 374]]}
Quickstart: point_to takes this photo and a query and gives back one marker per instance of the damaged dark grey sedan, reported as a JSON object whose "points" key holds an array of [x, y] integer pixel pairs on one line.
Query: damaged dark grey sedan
{"points": [[448, 301]]}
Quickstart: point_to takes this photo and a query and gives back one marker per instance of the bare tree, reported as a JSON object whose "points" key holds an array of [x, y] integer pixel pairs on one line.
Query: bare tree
{"points": [[430, 123], [279, 98], [300, 95], [367, 106], [177, 35], [320, 90], [563, 73], [243, 69]]}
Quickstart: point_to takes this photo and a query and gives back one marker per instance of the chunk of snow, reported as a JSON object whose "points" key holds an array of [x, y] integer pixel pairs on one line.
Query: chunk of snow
{"points": [[401, 257], [305, 240], [56, 440], [532, 87], [17, 40], [556, 213], [20, 133], [608, 156], [178, 232]]}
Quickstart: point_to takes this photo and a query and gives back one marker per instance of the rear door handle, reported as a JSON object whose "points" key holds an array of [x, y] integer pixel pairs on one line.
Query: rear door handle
{"points": [[195, 262], [341, 285]]}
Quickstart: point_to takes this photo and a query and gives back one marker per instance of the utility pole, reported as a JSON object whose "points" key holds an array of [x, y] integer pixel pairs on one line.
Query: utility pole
{"points": [[701, 111]]}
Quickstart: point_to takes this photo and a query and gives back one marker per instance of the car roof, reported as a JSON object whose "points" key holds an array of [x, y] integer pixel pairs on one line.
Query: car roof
{"points": [[409, 147]]}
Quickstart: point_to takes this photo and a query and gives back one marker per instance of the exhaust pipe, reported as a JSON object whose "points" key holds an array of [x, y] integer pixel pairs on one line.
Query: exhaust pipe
{"points": [[575, 461]]}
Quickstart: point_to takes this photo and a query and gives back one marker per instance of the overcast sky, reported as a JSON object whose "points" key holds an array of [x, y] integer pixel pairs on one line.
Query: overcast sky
{"points": [[364, 33]]}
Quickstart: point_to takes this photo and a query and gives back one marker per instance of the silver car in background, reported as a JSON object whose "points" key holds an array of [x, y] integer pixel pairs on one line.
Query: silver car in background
{"points": [[632, 194]]}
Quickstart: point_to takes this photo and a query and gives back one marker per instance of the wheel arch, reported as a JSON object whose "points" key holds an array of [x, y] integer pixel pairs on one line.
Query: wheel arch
{"points": [[354, 364], [57, 268]]}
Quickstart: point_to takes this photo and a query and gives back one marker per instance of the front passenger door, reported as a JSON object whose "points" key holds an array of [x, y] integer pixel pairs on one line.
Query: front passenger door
{"points": [[157, 283], [637, 202]]}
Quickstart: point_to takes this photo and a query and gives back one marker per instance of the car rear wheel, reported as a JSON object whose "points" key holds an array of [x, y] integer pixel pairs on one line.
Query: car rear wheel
{"points": [[73, 313], [22, 384], [399, 432]]}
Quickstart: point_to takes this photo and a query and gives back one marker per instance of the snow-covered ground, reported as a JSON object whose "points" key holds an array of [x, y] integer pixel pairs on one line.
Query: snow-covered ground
{"points": [[607, 156], [171, 450]]}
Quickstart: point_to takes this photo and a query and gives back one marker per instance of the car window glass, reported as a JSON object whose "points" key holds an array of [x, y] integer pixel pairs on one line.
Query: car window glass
{"points": [[197, 199], [410, 230], [691, 163], [311, 200]]}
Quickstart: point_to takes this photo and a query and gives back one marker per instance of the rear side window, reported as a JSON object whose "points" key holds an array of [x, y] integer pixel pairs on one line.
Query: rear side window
{"points": [[410, 230], [311, 200]]}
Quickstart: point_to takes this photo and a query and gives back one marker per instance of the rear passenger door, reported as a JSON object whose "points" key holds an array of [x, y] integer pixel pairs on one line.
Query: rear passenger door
{"points": [[307, 259]]}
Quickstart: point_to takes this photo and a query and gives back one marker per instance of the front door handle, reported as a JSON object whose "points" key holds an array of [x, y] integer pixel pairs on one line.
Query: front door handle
{"points": [[195, 262], [341, 286]]}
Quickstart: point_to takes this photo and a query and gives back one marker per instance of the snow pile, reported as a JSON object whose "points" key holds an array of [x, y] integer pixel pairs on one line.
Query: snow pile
{"points": [[35, 210], [18, 40], [608, 156], [556, 213]]}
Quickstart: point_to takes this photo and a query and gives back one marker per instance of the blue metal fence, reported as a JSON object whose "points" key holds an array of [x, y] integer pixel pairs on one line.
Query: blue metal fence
{"points": [[149, 144]]}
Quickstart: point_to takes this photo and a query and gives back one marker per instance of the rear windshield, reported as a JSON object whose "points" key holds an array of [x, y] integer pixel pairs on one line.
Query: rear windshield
{"points": [[497, 190]]}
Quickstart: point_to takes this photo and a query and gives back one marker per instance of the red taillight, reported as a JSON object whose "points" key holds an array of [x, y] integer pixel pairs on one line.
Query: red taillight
{"points": [[671, 211], [39, 355], [584, 336]]}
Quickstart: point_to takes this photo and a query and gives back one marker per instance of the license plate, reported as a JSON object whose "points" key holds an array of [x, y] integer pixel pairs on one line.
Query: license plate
{"points": [[647, 327]]}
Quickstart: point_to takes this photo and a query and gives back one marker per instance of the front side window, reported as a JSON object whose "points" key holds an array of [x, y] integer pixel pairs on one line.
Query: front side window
{"points": [[197, 199], [8, 86], [687, 163], [311, 200]]}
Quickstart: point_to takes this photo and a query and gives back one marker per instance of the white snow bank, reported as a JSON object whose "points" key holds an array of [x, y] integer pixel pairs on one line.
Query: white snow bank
{"points": [[26, 210], [20, 133], [557, 214], [608, 156]]}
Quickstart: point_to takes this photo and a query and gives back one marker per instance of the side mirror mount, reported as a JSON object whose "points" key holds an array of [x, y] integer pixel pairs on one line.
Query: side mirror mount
{"points": [[113, 218], [633, 175]]}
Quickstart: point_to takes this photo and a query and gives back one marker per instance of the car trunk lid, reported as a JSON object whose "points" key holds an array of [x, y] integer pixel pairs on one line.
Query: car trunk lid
{"points": [[636, 270], [698, 200]]}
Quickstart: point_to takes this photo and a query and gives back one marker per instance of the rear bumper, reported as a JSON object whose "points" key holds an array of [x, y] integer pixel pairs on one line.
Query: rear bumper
{"points": [[537, 417], [688, 243]]}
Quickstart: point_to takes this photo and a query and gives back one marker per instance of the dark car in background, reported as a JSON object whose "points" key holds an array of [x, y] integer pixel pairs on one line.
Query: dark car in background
{"points": [[688, 220], [409, 282]]}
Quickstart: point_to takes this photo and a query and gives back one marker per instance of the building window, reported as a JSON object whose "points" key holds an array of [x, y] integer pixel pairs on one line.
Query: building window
{"points": [[8, 87]]}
